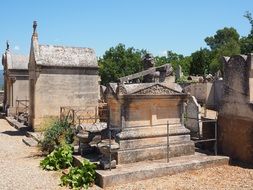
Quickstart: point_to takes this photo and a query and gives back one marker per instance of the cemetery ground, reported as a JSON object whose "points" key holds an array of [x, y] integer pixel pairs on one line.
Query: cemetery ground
{"points": [[19, 169]]}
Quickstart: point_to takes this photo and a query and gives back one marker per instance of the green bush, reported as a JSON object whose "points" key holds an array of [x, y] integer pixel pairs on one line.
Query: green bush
{"points": [[80, 177], [59, 132], [60, 158]]}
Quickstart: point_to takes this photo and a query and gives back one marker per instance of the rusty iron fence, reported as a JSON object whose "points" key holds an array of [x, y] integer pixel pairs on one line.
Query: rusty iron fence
{"points": [[83, 115]]}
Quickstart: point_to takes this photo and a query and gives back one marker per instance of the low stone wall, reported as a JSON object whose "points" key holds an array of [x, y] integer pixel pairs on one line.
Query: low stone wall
{"points": [[235, 137], [206, 93]]}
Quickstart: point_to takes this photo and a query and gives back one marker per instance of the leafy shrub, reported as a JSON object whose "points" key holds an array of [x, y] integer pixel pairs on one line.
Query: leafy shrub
{"points": [[58, 133], [60, 158], [80, 177]]}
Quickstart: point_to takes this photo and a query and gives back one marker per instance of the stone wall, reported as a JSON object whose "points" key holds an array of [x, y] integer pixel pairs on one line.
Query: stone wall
{"points": [[235, 118], [56, 87], [236, 137], [193, 117], [21, 89], [207, 93], [17, 90]]}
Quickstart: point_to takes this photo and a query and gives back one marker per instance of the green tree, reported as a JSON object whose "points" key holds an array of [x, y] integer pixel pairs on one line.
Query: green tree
{"points": [[222, 37], [200, 62], [174, 59], [226, 42], [248, 15], [247, 42], [119, 61]]}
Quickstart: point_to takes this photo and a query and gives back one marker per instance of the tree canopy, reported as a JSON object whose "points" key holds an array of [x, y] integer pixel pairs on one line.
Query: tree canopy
{"points": [[119, 61]]}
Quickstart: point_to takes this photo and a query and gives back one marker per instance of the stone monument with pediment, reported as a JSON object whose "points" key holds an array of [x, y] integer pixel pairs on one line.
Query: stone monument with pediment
{"points": [[141, 112]]}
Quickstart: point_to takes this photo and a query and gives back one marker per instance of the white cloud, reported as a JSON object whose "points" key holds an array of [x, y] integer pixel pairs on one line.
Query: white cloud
{"points": [[17, 48]]}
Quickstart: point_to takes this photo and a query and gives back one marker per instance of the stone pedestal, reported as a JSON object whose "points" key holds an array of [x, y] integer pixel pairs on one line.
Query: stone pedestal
{"points": [[104, 148], [150, 143], [84, 147], [141, 113]]}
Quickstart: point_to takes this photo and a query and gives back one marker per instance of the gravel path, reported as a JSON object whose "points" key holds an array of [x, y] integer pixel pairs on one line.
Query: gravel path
{"points": [[19, 164], [19, 170]]}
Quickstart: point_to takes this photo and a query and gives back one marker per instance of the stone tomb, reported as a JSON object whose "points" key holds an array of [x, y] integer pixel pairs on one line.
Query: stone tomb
{"points": [[60, 77], [139, 113], [16, 81], [235, 119]]}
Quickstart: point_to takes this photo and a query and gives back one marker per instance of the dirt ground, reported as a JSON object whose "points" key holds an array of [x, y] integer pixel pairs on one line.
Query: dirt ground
{"points": [[19, 164], [19, 169]]}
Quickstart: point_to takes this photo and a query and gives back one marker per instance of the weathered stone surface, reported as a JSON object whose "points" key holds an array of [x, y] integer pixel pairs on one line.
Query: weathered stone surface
{"points": [[235, 137], [193, 114], [154, 153], [50, 55], [236, 112], [105, 164], [15, 82], [17, 62], [128, 173], [30, 142], [60, 76], [208, 93], [141, 112], [152, 141]]}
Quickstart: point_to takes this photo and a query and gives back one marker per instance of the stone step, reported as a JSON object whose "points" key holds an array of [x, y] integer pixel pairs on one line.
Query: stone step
{"points": [[128, 173], [19, 126], [149, 142], [155, 153], [37, 136], [154, 131], [30, 142]]}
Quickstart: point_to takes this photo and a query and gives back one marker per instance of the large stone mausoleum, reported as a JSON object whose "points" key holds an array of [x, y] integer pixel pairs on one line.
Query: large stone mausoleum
{"points": [[141, 112], [16, 83], [236, 114], [60, 76]]}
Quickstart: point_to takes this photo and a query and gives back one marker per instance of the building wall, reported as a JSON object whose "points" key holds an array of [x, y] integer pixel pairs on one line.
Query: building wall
{"points": [[17, 89], [21, 89], [56, 87]]}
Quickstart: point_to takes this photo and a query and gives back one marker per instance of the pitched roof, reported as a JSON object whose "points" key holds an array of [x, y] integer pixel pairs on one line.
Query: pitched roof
{"points": [[17, 61], [50, 55]]}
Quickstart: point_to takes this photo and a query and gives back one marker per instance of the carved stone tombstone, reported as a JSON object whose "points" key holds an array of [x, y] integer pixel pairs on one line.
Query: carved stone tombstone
{"points": [[140, 112]]}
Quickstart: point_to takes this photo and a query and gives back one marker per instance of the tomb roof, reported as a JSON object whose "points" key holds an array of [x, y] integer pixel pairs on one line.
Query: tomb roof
{"points": [[51, 55], [15, 61]]}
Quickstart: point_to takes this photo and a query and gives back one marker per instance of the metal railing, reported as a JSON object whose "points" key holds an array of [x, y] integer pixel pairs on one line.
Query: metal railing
{"points": [[195, 140], [82, 115]]}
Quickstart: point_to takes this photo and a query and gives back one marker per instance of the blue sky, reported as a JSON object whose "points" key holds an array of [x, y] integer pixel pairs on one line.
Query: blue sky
{"points": [[155, 25]]}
